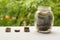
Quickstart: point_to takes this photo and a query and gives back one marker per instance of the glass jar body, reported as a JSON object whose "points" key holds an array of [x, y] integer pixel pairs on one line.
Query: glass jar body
{"points": [[44, 20]]}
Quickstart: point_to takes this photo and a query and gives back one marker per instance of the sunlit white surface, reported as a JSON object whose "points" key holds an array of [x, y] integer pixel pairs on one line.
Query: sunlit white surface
{"points": [[32, 35]]}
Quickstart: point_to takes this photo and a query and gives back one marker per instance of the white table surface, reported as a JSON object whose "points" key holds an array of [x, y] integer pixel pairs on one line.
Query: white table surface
{"points": [[32, 35]]}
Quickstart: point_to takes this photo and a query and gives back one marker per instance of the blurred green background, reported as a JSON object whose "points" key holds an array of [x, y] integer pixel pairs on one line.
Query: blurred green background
{"points": [[22, 12]]}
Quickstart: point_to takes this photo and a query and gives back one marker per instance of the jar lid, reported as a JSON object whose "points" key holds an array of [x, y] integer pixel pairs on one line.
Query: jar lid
{"points": [[44, 8]]}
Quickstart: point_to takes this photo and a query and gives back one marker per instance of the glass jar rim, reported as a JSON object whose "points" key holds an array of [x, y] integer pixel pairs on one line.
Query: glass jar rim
{"points": [[44, 7]]}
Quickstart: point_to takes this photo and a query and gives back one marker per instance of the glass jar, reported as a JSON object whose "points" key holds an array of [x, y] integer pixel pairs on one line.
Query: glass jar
{"points": [[44, 19]]}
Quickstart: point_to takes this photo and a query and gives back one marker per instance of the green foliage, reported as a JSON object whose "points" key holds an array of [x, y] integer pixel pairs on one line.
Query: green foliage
{"points": [[21, 12]]}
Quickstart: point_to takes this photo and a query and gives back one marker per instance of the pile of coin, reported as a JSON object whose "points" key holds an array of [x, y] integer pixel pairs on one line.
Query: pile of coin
{"points": [[26, 29]]}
